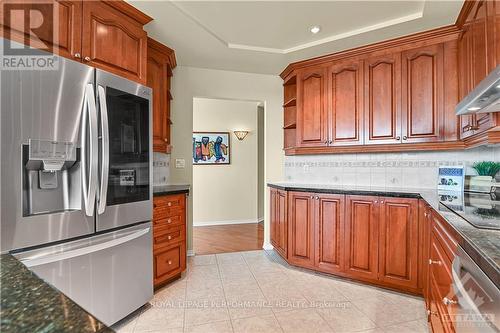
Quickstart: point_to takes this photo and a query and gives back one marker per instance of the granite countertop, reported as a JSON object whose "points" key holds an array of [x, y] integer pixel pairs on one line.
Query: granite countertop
{"points": [[482, 245], [159, 190], [28, 304]]}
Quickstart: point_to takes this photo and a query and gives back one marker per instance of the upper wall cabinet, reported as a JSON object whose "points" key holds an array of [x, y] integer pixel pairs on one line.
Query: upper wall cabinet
{"points": [[161, 61], [66, 15], [345, 103], [104, 34], [113, 41], [312, 127], [383, 99], [422, 94]]}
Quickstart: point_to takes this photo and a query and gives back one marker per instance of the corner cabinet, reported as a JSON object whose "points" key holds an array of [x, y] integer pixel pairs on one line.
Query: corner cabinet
{"points": [[103, 34], [160, 62]]}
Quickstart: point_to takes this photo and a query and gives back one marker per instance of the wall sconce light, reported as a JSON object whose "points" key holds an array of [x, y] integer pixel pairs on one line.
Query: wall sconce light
{"points": [[240, 134]]}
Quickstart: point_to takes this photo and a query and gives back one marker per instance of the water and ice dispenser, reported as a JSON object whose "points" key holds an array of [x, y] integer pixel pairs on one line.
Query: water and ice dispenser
{"points": [[51, 177]]}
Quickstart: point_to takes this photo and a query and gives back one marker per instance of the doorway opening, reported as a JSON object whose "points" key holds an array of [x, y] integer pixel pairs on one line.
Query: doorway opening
{"points": [[228, 175]]}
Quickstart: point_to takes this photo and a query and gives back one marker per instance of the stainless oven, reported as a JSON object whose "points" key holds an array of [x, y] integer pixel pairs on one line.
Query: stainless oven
{"points": [[478, 308]]}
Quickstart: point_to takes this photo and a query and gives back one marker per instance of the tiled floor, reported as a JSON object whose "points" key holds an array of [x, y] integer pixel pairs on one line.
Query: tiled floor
{"points": [[257, 291]]}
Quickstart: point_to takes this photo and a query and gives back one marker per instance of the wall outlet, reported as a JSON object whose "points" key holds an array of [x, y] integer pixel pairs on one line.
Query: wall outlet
{"points": [[180, 163]]}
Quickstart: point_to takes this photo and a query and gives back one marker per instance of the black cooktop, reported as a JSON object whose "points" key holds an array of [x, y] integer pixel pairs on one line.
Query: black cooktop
{"points": [[480, 210]]}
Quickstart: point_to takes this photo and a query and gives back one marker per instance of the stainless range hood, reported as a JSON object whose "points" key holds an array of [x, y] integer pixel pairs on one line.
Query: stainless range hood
{"points": [[484, 98]]}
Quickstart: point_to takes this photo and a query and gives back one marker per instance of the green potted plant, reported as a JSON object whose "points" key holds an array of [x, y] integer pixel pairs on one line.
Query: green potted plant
{"points": [[486, 171]]}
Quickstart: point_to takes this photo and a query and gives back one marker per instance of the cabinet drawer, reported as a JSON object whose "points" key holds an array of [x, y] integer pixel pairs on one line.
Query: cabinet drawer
{"points": [[168, 205], [173, 218], [166, 237], [169, 262]]}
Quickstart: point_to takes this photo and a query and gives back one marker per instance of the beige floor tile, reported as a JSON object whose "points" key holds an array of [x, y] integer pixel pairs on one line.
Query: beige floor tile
{"points": [[204, 289], [344, 317], [318, 293], [202, 260], [263, 324], [208, 272], [230, 258], [417, 326], [248, 305], [354, 291], [204, 311], [156, 319], [234, 288], [300, 321], [216, 327], [385, 311]]}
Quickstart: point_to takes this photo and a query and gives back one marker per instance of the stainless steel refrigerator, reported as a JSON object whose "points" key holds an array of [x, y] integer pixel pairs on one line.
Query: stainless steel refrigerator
{"points": [[76, 183]]}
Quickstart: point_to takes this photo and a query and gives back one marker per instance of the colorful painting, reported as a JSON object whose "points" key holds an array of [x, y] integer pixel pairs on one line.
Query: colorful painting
{"points": [[211, 148]]}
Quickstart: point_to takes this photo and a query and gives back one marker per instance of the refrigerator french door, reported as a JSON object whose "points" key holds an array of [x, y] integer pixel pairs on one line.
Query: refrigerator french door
{"points": [[125, 144]]}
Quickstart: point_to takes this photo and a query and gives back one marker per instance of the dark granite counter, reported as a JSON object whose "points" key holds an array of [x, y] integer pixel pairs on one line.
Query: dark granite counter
{"points": [[482, 245], [28, 304], [170, 189]]}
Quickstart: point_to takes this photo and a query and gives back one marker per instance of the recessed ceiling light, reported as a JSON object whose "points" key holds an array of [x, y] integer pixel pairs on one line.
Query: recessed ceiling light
{"points": [[315, 29], [474, 108]]}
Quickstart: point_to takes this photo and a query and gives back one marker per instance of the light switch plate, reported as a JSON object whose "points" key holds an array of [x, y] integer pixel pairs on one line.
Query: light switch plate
{"points": [[180, 163]]}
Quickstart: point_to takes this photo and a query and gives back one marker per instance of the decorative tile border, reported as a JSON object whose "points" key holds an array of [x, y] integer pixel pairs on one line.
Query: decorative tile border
{"points": [[377, 164]]}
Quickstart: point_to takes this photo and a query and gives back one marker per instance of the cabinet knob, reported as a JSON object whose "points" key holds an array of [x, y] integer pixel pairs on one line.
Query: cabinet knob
{"points": [[78, 55], [398, 138], [169, 220], [170, 262], [326, 142], [376, 201], [382, 201], [405, 137], [312, 196], [317, 198], [169, 237], [87, 58], [169, 204], [447, 301], [429, 312], [166, 140], [434, 262]]}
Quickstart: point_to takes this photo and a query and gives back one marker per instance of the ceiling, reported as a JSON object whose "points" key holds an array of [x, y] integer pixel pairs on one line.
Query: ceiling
{"points": [[265, 36]]}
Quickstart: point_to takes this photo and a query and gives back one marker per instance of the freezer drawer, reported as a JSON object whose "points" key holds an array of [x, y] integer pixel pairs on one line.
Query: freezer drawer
{"points": [[109, 275]]}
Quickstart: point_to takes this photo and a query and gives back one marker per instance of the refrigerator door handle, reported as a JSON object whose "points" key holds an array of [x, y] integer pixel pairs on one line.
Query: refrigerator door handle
{"points": [[104, 150], [50, 258], [88, 177]]}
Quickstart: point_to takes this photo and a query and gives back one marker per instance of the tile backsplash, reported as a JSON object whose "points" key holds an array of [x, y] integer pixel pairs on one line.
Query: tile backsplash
{"points": [[161, 168], [409, 169]]}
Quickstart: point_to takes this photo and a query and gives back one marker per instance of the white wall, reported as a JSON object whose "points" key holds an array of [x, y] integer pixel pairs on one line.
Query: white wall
{"points": [[228, 193], [190, 82], [409, 170]]}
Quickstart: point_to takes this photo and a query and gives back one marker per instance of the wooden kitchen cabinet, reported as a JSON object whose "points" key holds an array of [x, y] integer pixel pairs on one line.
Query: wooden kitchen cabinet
{"points": [[361, 236], [65, 15], [169, 237], [423, 94], [160, 62], [104, 34], [329, 232], [279, 236], [345, 103], [113, 41], [398, 242], [301, 229], [383, 99], [312, 126]]}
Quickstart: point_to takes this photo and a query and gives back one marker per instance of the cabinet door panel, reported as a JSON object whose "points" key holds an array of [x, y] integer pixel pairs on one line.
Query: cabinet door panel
{"points": [[281, 219], [423, 94], [361, 236], [156, 69], [345, 98], [383, 99], [311, 112], [329, 233], [272, 218], [398, 247], [114, 42], [60, 32], [301, 230]]}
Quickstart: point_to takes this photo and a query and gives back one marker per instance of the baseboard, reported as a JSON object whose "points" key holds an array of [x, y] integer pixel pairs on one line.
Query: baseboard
{"points": [[224, 222], [268, 246], [260, 220], [190, 253]]}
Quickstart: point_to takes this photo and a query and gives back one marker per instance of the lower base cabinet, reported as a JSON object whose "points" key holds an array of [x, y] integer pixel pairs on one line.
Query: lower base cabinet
{"points": [[169, 237]]}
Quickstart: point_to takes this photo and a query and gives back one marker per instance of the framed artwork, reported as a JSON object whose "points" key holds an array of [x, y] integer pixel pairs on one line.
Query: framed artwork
{"points": [[211, 148]]}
